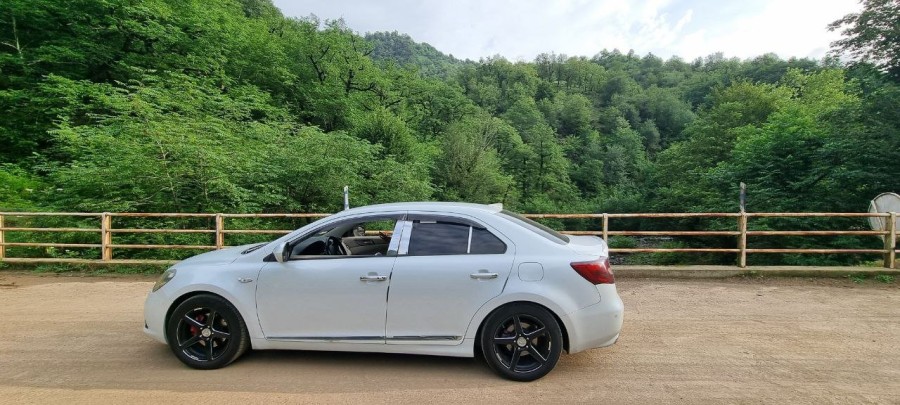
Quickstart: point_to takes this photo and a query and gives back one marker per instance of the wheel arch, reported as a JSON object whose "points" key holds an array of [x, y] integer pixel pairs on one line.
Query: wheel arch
{"points": [[184, 297], [190, 294], [480, 329]]}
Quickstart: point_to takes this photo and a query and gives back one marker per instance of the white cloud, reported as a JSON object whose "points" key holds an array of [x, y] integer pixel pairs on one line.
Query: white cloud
{"points": [[521, 29], [788, 28]]}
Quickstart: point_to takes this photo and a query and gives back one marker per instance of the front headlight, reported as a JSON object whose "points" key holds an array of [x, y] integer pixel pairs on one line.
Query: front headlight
{"points": [[163, 279]]}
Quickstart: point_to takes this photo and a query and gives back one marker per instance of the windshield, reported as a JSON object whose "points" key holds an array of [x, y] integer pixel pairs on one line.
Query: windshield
{"points": [[536, 227]]}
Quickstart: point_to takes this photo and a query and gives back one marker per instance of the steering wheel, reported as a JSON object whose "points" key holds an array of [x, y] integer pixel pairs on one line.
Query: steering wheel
{"points": [[334, 247]]}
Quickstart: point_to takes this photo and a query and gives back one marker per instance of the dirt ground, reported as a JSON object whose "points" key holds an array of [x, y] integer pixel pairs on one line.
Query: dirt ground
{"points": [[79, 340]]}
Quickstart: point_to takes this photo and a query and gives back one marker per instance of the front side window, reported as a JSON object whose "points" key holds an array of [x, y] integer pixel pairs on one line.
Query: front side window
{"points": [[354, 238]]}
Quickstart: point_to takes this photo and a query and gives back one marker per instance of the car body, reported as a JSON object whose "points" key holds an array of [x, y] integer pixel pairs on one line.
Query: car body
{"points": [[437, 283]]}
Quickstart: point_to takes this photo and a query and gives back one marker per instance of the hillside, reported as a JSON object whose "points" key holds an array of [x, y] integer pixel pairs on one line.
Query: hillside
{"points": [[401, 49], [191, 106]]}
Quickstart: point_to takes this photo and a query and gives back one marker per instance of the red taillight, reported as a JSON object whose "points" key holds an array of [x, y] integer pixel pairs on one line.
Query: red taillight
{"points": [[595, 271]]}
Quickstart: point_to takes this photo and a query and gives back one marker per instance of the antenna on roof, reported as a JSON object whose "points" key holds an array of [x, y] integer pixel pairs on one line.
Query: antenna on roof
{"points": [[346, 198]]}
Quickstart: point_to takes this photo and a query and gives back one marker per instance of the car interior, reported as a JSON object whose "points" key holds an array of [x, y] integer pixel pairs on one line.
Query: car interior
{"points": [[366, 238]]}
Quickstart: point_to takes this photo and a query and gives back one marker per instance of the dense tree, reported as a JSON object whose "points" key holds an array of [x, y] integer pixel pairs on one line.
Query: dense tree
{"points": [[164, 105], [469, 167], [543, 167], [394, 47], [872, 35], [681, 170]]}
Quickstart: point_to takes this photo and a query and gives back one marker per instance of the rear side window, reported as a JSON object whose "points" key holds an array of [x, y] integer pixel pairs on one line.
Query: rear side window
{"points": [[484, 242], [438, 238]]}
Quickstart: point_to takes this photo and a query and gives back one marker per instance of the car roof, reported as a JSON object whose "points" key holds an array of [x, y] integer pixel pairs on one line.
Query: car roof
{"points": [[455, 207]]}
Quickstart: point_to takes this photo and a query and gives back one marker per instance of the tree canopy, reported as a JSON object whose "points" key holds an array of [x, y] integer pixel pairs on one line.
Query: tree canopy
{"points": [[195, 106]]}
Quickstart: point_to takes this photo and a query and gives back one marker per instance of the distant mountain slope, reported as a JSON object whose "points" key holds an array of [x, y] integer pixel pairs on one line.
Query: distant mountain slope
{"points": [[403, 50]]}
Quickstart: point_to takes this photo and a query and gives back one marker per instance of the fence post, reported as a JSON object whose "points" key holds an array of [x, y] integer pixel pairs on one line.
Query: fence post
{"points": [[605, 227], [2, 240], [890, 242], [742, 239], [105, 237], [220, 226]]}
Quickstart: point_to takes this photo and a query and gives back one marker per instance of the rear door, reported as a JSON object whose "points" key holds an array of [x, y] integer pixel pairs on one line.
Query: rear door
{"points": [[448, 267]]}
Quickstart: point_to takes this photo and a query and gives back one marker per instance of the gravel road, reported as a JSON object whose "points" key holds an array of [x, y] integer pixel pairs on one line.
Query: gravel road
{"points": [[79, 340]]}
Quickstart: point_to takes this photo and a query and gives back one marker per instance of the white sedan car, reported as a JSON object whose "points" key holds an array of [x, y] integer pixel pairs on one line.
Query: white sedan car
{"points": [[449, 279]]}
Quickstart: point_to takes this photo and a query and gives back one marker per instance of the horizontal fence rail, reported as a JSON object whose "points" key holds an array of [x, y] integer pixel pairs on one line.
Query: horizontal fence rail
{"points": [[105, 230]]}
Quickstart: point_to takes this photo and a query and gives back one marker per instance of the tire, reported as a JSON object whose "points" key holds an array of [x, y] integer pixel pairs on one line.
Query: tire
{"points": [[207, 332], [521, 342]]}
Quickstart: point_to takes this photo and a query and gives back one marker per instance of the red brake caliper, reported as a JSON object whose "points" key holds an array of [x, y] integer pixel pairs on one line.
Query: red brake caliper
{"points": [[195, 330]]}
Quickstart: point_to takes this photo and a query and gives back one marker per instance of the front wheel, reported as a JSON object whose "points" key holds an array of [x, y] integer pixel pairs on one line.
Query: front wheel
{"points": [[521, 342], [207, 332]]}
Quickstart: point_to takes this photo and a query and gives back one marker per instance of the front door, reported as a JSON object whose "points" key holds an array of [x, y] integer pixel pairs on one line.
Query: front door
{"points": [[324, 299], [327, 294]]}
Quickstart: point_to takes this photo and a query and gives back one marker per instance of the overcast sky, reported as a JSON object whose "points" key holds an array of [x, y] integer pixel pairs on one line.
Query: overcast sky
{"points": [[521, 29]]}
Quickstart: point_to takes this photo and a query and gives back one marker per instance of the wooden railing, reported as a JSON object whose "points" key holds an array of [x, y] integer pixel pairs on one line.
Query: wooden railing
{"points": [[741, 233]]}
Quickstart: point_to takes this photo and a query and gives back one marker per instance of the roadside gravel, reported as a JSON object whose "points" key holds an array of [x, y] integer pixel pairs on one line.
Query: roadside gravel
{"points": [[79, 340]]}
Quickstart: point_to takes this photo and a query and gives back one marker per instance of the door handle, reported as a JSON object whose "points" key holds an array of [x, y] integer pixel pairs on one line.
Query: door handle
{"points": [[373, 278], [483, 276]]}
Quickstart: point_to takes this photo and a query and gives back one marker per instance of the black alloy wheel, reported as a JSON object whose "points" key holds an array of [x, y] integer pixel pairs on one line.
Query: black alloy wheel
{"points": [[206, 332], [521, 342]]}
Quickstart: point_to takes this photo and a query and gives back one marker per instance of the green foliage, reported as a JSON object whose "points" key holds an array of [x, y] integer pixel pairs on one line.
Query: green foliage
{"points": [[188, 143], [684, 171], [195, 106], [17, 188], [384, 128], [97, 270], [622, 242], [570, 114], [872, 35], [468, 168], [394, 47]]}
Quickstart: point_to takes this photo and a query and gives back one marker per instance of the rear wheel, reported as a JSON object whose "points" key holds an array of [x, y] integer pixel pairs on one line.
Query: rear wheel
{"points": [[521, 342], [207, 332]]}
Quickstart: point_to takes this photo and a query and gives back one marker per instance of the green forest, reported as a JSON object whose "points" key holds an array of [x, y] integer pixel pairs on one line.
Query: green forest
{"points": [[229, 106]]}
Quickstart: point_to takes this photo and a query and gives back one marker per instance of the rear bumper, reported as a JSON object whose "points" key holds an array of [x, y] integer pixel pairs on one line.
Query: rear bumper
{"points": [[597, 325]]}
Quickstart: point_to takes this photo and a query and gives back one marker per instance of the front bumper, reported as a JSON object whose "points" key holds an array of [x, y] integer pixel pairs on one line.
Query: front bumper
{"points": [[155, 316], [597, 325]]}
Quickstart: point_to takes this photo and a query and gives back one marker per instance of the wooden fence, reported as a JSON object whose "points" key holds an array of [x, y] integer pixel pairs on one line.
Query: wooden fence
{"points": [[741, 233]]}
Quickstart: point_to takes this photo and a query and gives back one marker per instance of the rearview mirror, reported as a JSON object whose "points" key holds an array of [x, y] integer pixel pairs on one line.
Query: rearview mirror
{"points": [[281, 252]]}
